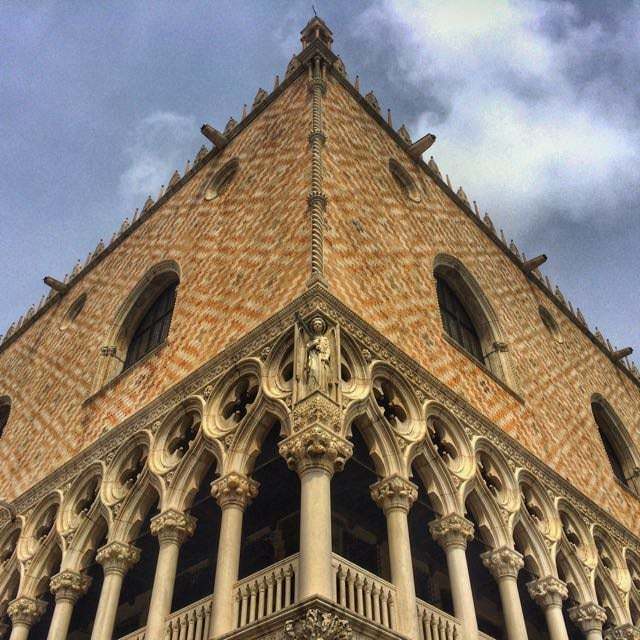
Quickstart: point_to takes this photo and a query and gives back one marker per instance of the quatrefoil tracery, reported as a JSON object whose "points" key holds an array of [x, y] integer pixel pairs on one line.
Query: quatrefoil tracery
{"points": [[133, 468], [442, 441], [489, 474], [185, 433], [88, 497], [389, 402], [46, 523], [245, 392]]}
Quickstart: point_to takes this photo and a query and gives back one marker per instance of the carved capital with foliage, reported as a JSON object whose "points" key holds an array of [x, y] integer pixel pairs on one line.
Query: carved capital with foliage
{"points": [[451, 531], [503, 562], [317, 410], [172, 527], [548, 592], [588, 617], [25, 611], [623, 632], [69, 585], [234, 489], [117, 557], [394, 492], [315, 448], [318, 625]]}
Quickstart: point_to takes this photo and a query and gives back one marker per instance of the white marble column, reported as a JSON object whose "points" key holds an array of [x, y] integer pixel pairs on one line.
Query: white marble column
{"points": [[504, 565], [548, 594], [24, 612], [452, 533], [172, 528], [67, 586], [234, 492], [315, 453], [116, 559], [589, 618], [395, 496]]}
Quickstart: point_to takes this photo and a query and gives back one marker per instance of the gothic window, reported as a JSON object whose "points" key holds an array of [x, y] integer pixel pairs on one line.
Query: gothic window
{"points": [[153, 328], [550, 323], [221, 180], [5, 410], [457, 322]]}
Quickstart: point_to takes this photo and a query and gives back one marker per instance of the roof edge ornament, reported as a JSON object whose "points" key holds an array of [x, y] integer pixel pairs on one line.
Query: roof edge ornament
{"points": [[316, 29]]}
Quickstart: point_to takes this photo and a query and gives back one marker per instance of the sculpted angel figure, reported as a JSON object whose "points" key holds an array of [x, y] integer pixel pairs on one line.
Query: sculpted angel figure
{"points": [[318, 355]]}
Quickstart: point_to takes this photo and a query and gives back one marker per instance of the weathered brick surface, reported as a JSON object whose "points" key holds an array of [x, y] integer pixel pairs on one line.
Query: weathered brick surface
{"points": [[380, 250], [242, 257]]}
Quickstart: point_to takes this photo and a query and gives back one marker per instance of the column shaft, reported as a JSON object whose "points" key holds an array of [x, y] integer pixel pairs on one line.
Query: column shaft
{"points": [[316, 575], [60, 621], [555, 622], [107, 606], [19, 632], [162, 594], [512, 608], [461, 592]]}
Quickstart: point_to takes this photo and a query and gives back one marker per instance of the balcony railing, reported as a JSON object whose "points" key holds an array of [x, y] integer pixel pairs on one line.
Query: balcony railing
{"points": [[364, 593], [266, 592], [434, 624]]}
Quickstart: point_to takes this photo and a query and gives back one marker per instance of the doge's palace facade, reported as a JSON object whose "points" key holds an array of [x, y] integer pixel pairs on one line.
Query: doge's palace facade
{"points": [[309, 392]]}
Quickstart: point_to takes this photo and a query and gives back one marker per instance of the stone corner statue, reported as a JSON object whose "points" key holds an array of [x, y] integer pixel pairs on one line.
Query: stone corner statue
{"points": [[317, 357]]}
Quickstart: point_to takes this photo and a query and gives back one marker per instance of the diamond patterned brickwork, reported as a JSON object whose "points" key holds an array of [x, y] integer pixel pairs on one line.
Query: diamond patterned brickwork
{"points": [[379, 255], [242, 256]]}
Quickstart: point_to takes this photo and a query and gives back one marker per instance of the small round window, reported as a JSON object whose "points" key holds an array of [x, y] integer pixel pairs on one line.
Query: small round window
{"points": [[404, 180], [550, 323], [5, 410], [74, 311], [221, 179]]}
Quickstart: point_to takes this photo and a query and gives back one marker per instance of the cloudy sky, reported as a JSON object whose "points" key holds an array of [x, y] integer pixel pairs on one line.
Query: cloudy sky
{"points": [[535, 103]]}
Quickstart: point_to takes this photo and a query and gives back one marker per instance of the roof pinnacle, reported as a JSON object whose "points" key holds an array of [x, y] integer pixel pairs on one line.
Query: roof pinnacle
{"points": [[316, 29]]}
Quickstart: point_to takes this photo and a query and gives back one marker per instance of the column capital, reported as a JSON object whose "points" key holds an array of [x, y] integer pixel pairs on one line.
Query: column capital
{"points": [[394, 493], [503, 562], [234, 489], [69, 585], [315, 448], [26, 611], [172, 526], [588, 617], [624, 632], [451, 531], [117, 557], [548, 591]]}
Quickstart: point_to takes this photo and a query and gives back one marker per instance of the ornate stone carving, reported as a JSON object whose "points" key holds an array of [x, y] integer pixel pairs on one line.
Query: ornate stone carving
{"points": [[69, 585], [316, 358], [548, 591], [589, 617], [394, 492], [452, 530], [317, 409], [318, 625], [503, 562], [624, 632], [315, 447], [25, 611], [117, 557], [172, 526], [234, 489]]}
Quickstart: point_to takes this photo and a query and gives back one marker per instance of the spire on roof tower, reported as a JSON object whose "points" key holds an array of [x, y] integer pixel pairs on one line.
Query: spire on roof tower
{"points": [[316, 29]]}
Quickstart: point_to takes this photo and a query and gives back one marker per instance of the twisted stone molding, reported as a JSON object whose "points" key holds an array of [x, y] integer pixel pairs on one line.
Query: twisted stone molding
{"points": [[503, 562], [315, 448], [451, 531], [69, 585], [318, 625], [377, 347], [117, 557], [234, 489], [394, 492], [172, 526], [25, 611], [588, 617], [548, 591]]}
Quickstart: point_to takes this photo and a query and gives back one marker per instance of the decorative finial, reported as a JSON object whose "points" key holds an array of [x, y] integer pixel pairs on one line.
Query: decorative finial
{"points": [[356, 84], [389, 121]]}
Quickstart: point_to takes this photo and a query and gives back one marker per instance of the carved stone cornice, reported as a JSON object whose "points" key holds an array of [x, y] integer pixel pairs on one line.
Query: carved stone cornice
{"points": [[172, 527], [69, 585], [548, 591], [234, 489], [117, 557], [25, 611], [588, 617], [623, 632], [451, 531], [315, 448], [315, 624], [317, 410], [503, 562], [393, 493]]}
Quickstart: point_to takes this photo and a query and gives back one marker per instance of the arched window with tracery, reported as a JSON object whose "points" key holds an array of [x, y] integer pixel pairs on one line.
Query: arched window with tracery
{"points": [[5, 410], [456, 321], [617, 444], [153, 327]]}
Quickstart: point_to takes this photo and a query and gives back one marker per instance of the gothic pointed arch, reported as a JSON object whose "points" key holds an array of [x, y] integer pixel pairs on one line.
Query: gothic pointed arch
{"points": [[618, 445], [468, 318]]}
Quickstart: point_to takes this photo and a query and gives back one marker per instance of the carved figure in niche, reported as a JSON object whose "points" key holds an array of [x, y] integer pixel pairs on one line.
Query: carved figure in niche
{"points": [[316, 357]]}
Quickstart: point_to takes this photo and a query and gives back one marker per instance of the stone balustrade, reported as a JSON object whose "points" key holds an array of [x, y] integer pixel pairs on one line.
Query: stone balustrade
{"points": [[434, 624]]}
